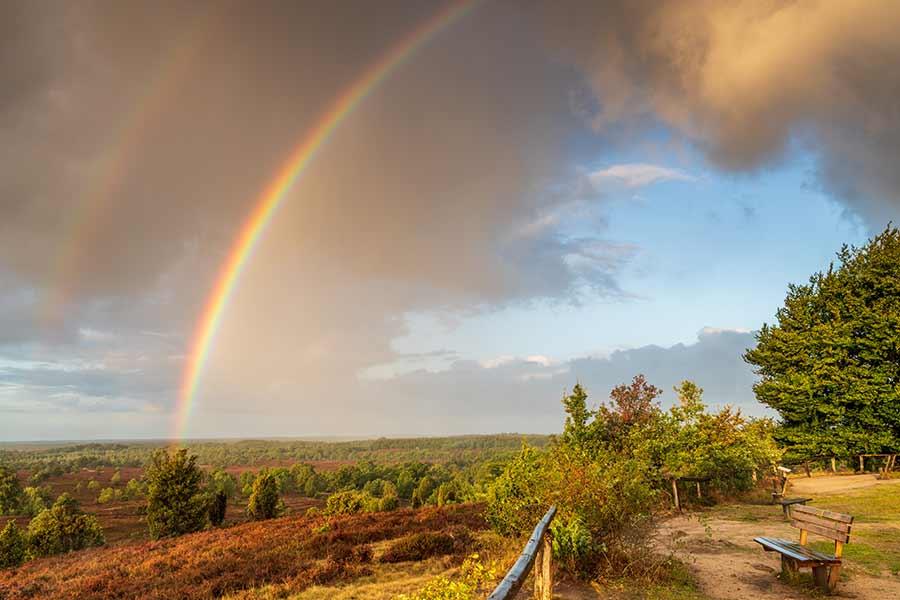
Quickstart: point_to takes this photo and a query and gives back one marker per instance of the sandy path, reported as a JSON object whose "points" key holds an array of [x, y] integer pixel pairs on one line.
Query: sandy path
{"points": [[729, 565]]}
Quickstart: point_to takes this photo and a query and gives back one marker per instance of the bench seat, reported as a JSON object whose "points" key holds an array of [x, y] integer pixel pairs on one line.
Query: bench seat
{"points": [[802, 554]]}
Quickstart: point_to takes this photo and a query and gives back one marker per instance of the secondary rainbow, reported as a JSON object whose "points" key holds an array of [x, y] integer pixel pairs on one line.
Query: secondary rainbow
{"points": [[272, 196]]}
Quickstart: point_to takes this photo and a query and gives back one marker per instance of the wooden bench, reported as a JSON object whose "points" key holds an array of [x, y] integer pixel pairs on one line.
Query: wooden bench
{"points": [[788, 502], [795, 555]]}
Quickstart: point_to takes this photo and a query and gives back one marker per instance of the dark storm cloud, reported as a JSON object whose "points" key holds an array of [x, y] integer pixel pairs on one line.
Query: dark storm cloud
{"points": [[746, 80]]}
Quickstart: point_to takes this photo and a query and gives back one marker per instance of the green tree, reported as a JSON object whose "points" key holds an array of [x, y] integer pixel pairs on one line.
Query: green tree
{"points": [[175, 502], [265, 502], [13, 546], [10, 491], [830, 365], [34, 500], [63, 527]]}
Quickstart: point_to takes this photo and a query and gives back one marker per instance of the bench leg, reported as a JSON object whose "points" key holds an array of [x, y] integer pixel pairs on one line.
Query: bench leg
{"points": [[833, 574], [820, 575], [788, 568]]}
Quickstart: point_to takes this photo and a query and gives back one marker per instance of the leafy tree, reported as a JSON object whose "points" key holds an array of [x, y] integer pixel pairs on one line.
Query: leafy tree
{"points": [[221, 481], [175, 502], [831, 364], [265, 502], [34, 500], [13, 546], [10, 491], [63, 527], [423, 491]]}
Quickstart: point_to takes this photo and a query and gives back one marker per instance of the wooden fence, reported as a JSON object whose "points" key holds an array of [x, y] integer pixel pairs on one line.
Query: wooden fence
{"points": [[537, 552]]}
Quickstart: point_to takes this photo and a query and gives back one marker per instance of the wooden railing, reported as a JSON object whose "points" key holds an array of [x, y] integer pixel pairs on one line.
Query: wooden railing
{"points": [[537, 552]]}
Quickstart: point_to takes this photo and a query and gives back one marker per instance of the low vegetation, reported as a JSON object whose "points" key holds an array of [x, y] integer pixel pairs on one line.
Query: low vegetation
{"points": [[285, 555]]}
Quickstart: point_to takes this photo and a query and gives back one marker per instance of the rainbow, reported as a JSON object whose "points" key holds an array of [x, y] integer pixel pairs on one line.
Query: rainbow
{"points": [[273, 195], [150, 102]]}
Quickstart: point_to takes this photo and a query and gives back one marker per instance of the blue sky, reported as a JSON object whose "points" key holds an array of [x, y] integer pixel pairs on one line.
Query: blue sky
{"points": [[710, 250]]}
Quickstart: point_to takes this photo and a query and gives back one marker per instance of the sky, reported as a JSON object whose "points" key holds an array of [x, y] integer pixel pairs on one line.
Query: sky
{"points": [[537, 194]]}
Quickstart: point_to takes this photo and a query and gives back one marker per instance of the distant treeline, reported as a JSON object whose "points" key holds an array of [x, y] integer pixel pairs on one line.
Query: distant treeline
{"points": [[456, 449]]}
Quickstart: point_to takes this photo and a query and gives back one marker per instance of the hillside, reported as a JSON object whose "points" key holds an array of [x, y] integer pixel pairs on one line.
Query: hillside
{"points": [[290, 553]]}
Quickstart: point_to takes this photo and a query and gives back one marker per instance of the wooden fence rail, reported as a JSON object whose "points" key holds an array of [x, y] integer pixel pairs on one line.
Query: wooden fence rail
{"points": [[538, 552]]}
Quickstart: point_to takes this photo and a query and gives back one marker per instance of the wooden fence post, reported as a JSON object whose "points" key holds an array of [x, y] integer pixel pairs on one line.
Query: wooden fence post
{"points": [[543, 575], [862, 464], [833, 465], [675, 494]]}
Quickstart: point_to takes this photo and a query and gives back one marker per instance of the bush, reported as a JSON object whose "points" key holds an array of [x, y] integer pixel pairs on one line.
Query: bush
{"points": [[10, 491], [473, 578], [419, 546], [34, 500], [64, 527], [133, 490], [109, 495], [13, 546], [264, 503], [175, 504], [351, 502]]}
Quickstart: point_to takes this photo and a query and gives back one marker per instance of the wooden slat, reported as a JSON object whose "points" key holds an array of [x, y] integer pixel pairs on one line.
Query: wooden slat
{"points": [[826, 514], [795, 551], [820, 521], [825, 532]]}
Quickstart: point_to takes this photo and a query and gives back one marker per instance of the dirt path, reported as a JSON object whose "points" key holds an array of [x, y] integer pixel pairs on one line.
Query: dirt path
{"points": [[730, 566]]}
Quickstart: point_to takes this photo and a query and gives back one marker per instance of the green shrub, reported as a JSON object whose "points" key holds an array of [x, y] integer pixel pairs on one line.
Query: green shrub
{"points": [[62, 528], [10, 491], [13, 546], [351, 502], [474, 576], [388, 503], [573, 545], [265, 502], [94, 485], [109, 495], [133, 490], [34, 500], [175, 503]]}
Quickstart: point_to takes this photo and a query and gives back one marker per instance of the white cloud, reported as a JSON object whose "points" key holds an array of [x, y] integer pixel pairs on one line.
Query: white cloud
{"points": [[636, 175]]}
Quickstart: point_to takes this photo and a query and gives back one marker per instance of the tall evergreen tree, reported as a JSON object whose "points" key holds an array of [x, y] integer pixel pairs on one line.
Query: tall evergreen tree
{"points": [[175, 502], [831, 364]]}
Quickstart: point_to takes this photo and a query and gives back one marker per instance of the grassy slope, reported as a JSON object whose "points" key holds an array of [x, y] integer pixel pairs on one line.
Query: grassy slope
{"points": [[289, 554]]}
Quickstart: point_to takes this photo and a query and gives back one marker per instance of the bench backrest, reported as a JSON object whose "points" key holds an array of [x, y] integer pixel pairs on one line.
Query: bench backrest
{"points": [[832, 525]]}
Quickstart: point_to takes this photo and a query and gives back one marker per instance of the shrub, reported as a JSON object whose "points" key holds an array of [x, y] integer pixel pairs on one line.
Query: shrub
{"points": [[10, 491], [264, 502], [218, 503], [220, 481], [93, 485], [62, 528], [34, 500], [473, 578], [109, 495], [175, 504], [419, 546], [133, 490], [387, 503], [13, 546], [572, 543], [351, 502]]}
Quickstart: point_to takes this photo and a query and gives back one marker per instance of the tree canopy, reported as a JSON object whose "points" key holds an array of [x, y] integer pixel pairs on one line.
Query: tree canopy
{"points": [[831, 364]]}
